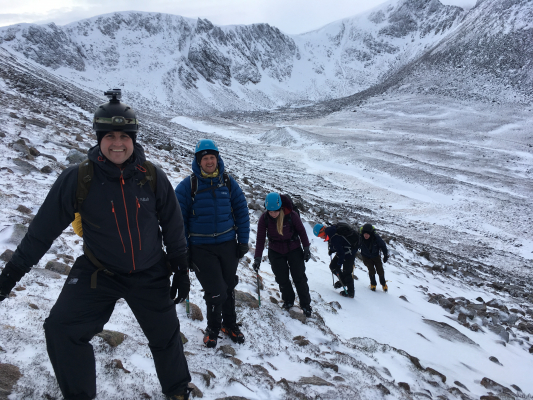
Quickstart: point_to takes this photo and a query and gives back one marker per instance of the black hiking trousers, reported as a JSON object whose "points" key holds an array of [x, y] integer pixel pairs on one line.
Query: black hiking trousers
{"points": [[215, 266], [347, 269], [374, 264], [81, 312], [293, 263]]}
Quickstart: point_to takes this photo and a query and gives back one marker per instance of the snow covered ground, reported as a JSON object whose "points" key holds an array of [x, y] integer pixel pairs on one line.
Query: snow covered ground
{"points": [[440, 180]]}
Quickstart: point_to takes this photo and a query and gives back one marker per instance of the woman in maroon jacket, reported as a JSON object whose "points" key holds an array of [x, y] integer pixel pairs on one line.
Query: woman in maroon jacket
{"points": [[286, 235]]}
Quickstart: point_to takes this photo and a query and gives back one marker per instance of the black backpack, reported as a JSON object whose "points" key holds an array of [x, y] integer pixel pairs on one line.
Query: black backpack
{"points": [[348, 233]]}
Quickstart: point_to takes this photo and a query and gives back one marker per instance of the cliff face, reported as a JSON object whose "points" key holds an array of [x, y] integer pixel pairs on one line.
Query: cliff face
{"points": [[195, 66]]}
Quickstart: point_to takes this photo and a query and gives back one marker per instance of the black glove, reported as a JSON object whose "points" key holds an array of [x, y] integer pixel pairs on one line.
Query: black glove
{"points": [[242, 249], [307, 254], [8, 279], [385, 258], [330, 251], [180, 263], [180, 285], [256, 264]]}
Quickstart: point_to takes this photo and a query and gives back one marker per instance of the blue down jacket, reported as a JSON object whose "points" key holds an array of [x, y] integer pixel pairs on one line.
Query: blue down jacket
{"points": [[211, 213]]}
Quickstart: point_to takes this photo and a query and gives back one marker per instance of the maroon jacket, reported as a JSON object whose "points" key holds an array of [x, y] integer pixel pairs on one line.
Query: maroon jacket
{"points": [[293, 232]]}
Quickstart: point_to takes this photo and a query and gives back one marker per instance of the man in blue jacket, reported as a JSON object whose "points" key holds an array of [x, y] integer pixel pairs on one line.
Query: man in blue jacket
{"points": [[370, 244], [217, 227], [125, 224]]}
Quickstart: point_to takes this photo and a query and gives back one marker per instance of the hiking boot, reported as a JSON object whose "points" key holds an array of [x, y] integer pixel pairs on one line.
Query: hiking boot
{"points": [[307, 311], [349, 294], [337, 285], [233, 332], [373, 288], [210, 337], [287, 306], [385, 288], [182, 396]]}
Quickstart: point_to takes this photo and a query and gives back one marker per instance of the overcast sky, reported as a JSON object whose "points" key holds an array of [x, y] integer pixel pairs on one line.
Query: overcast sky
{"points": [[290, 16]]}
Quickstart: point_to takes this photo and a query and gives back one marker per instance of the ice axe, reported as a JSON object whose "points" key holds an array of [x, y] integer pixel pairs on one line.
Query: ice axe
{"points": [[187, 308], [258, 290]]}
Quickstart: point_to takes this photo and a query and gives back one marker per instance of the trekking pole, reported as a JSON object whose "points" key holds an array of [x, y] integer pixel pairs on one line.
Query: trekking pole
{"points": [[258, 290], [187, 308]]}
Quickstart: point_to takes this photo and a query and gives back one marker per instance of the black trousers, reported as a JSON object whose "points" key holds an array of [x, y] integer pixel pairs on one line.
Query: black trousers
{"points": [[216, 267], [347, 269], [374, 264], [293, 263], [81, 312]]}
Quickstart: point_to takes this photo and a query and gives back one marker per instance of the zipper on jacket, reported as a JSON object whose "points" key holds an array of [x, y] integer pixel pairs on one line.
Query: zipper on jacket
{"points": [[127, 219], [118, 228], [137, 220]]}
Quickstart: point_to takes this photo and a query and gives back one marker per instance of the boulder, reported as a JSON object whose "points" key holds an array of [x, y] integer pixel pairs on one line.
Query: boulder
{"points": [[227, 351], [9, 375], [195, 312], [299, 315], [404, 386], [58, 267], [431, 371], [489, 384], [314, 380], [448, 332], [6, 255], [112, 338], [195, 392], [243, 299]]}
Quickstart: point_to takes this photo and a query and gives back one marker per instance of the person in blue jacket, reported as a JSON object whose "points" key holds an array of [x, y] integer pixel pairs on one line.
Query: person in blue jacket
{"points": [[371, 243], [217, 228], [344, 243]]}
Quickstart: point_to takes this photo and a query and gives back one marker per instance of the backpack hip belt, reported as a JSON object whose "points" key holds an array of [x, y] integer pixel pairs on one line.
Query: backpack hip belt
{"points": [[213, 234]]}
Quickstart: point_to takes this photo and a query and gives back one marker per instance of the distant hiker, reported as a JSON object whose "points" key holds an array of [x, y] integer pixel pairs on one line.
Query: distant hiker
{"points": [[217, 227], [370, 243], [286, 235], [343, 240], [124, 225]]}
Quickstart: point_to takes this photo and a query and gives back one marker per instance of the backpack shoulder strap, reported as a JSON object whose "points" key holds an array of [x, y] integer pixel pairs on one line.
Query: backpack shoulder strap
{"points": [[150, 175], [194, 185], [227, 181], [85, 176]]}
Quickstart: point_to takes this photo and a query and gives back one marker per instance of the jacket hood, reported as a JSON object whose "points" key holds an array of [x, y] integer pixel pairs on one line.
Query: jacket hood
{"points": [[198, 171]]}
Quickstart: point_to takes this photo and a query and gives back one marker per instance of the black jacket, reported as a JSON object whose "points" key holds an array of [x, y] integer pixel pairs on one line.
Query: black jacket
{"points": [[121, 219], [370, 248]]}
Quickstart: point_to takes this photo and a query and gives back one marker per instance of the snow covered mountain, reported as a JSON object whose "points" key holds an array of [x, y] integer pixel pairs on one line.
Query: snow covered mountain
{"points": [[193, 66]]}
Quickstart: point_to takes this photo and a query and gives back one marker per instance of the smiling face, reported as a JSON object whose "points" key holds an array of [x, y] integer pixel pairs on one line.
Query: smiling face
{"points": [[117, 147], [209, 163]]}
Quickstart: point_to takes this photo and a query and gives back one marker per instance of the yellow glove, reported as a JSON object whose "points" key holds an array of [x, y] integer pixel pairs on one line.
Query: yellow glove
{"points": [[76, 225]]}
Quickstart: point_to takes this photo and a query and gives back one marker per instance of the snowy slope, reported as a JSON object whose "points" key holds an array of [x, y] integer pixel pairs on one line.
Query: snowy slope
{"points": [[412, 165]]}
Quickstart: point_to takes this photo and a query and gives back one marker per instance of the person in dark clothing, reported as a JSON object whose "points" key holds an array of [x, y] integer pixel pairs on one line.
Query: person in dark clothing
{"points": [[286, 235], [370, 243], [124, 227], [217, 227], [345, 249]]}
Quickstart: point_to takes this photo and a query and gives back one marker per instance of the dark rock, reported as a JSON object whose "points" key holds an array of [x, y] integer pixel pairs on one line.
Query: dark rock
{"points": [[232, 397], [383, 389], [227, 350], [6, 255], [516, 388], [431, 371], [46, 169], [489, 397], [461, 318], [274, 300], [339, 379], [206, 377], [480, 299], [21, 147], [24, 167], [183, 338], [335, 304], [298, 315], [531, 350], [195, 312], [58, 267], [494, 360], [495, 386], [23, 209], [9, 375], [235, 361], [461, 385], [117, 364], [20, 288], [195, 392], [245, 299], [34, 152], [475, 328], [314, 380], [301, 341], [33, 306], [404, 386], [448, 332], [425, 254], [403, 298], [112, 338], [49, 156], [323, 364]]}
